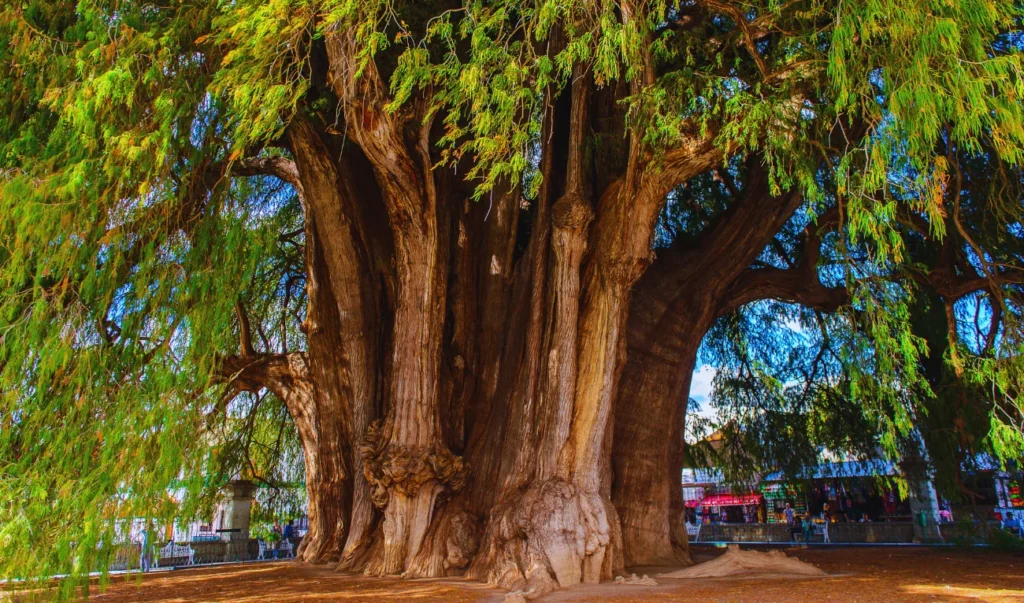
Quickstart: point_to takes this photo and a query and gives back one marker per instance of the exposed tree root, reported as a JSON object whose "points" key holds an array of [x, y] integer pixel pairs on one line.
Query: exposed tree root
{"points": [[552, 535]]}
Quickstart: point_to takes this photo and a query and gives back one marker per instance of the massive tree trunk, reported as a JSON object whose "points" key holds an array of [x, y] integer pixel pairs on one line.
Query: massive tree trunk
{"points": [[678, 300], [481, 381]]}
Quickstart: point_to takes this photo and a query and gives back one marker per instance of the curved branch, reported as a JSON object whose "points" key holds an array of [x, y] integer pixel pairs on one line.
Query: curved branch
{"points": [[795, 285], [799, 285], [693, 155], [279, 167], [282, 374]]}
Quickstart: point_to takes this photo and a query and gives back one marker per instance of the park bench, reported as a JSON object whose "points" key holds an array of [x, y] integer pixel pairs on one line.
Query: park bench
{"points": [[176, 551], [285, 546]]}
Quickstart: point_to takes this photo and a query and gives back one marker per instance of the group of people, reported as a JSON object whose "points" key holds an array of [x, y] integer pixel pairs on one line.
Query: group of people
{"points": [[805, 525], [283, 534]]}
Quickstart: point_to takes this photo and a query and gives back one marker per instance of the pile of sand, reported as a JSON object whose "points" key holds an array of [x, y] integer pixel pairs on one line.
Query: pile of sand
{"points": [[735, 562]]}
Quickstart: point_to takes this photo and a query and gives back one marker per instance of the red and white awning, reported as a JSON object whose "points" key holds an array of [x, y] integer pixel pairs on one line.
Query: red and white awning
{"points": [[731, 500]]}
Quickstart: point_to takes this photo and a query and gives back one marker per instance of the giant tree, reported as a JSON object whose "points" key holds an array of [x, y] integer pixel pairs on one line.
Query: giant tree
{"points": [[426, 229]]}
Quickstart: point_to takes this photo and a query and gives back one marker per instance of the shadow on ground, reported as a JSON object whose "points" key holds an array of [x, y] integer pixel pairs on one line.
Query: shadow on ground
{"points": [[861, 574]]}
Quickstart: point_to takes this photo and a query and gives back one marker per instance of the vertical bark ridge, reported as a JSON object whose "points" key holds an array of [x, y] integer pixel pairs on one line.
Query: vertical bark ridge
{"points": [[544, 531], [328, 453], [339, 271], [570, 218], [404, 456]]}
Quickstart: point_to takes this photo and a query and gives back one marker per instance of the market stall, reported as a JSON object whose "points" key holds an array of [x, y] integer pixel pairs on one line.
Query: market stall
{"points": [[733, 508]]}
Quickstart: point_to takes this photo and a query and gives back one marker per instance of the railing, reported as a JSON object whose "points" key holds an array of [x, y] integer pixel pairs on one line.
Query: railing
{"points": [[844, 533], [200, 552]]}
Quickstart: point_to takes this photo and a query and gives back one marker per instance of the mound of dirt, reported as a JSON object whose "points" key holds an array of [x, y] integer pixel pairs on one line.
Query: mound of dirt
{"points": [[736, 562]]}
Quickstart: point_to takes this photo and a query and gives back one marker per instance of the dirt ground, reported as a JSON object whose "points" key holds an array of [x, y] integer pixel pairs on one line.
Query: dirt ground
{"points": [[855, 574]]}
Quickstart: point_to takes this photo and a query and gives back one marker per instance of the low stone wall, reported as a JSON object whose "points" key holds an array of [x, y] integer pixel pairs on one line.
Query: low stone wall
{"points": [[744, 532], [891, 532]]}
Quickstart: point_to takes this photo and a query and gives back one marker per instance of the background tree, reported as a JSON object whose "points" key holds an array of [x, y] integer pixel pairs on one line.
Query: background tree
{"points": [[791, 382], [426, 228]]}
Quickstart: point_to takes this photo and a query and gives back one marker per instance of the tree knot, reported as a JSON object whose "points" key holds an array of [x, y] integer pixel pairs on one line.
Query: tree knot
{"points": [[571, 212], [394, 468]]}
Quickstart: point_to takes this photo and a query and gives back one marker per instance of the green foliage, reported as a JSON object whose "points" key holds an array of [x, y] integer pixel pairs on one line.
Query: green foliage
{"points": [[1005, 542], [890, 374], [265, 532], [124, 248]]}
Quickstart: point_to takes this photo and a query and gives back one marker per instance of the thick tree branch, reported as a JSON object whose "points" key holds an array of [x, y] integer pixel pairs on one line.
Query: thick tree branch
{"points": [[799, 285], [749, 35], [793, 285], [279, 167], [279, 373]]}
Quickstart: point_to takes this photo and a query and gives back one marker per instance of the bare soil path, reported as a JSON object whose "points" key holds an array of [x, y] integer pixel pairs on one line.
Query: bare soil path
{"points": [[855, 574]]}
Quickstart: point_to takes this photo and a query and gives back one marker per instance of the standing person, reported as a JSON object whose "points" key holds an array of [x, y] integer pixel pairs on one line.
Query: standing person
{"points": [[890, 505], [144, 552], [277, 541], [808, 528], [826, 516], [288, 534], [790, 516], [286, 538]]}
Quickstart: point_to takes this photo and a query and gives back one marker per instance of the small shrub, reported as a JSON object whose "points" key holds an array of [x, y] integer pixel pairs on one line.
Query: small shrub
{"points": [[1005, 542]]}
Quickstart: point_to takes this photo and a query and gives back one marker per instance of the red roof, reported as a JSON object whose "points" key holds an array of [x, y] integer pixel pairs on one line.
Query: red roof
{"points": [[692, 503], [731, 500]]}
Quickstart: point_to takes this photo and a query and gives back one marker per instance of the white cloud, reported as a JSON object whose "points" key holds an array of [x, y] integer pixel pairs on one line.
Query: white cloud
{"points": [[700, 388]]}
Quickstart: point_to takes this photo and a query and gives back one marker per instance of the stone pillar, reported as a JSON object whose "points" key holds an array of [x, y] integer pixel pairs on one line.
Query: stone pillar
{"points": [[237, 509]]}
